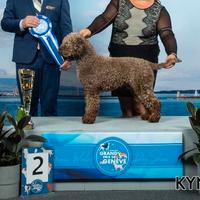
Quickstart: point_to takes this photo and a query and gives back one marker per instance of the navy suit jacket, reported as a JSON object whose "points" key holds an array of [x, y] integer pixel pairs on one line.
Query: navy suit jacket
{"points": [[25, 45]]}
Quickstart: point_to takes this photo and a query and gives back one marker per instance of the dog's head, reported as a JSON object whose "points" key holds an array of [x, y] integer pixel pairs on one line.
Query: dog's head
{"points": [[74, 46]]}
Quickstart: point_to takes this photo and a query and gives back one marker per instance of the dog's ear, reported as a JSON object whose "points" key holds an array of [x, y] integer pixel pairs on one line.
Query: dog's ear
{"points": [[61, 48], [80, 46], [63, 45]]}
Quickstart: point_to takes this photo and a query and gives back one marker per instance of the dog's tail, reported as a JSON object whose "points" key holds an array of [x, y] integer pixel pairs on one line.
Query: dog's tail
{"points": [[156, 66]]}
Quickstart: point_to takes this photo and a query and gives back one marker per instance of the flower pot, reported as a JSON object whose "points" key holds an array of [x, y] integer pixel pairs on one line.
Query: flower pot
{"points": [[9, 181]]}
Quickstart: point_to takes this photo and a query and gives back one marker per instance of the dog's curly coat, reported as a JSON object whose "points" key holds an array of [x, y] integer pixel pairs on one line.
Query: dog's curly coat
{"points": [[99, 73]]}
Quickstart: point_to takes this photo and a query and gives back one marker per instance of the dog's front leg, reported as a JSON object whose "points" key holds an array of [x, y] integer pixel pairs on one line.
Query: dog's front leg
{"points": [[91, 107]]}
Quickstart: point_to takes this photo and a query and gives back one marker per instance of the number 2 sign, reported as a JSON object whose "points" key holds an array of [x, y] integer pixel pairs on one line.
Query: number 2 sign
{"points": [[36, 173]]}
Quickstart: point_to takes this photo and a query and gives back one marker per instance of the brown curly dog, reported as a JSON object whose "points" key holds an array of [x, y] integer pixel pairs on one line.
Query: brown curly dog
{"points": [[99, 73]]}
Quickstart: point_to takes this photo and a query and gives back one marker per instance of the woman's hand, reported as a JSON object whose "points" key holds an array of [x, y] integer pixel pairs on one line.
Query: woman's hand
{"points": [[170, 61], [85, 32]]}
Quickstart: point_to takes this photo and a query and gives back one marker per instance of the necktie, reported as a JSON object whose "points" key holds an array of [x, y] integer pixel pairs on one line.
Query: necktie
{"points": [[37, 5], [38, 8]]}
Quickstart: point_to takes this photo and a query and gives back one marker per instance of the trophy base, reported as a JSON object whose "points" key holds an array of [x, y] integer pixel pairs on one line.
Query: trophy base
{"points": [[29, 126]]}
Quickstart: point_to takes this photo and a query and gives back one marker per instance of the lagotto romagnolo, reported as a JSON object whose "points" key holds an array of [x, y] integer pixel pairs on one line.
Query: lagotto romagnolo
{"points": [[100, 73]]}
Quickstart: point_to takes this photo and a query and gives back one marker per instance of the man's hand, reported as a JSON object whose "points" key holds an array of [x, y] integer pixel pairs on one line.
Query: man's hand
{"points": [[66, 65], [30, 21]]}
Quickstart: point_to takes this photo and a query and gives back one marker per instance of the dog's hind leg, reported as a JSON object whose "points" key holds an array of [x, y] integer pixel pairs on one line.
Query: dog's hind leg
{"points": [[91, 107], [143, 88], [138, 99], [152, 106]]}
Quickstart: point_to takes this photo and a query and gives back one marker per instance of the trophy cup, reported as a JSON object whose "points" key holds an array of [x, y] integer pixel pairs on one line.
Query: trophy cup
{"points": [[26, 79]]}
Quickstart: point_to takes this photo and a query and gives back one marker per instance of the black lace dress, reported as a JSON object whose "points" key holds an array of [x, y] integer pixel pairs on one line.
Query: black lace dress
{"points": [[135, 32]]}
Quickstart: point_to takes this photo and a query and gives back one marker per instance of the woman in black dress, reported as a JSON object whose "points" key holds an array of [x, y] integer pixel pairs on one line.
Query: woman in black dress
{"points": [[136, 26]]}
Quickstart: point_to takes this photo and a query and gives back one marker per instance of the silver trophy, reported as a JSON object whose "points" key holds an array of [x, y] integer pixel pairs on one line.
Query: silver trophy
{"points": [[26, 79]]}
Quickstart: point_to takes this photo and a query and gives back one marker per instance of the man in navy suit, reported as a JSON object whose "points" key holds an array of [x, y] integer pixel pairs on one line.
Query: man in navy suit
{"points": [[29, 52]]}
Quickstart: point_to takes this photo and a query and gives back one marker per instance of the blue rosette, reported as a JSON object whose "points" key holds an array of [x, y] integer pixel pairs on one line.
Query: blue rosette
{"points": [[44, 32]]}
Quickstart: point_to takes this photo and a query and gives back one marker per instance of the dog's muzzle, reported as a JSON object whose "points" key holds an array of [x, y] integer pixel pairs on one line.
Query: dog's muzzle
{"points": [[70, 58]]}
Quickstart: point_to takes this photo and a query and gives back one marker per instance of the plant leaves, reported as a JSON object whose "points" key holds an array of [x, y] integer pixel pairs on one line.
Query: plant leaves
{"points": [[197, 145], [12, 121], [2, 146], [21, 132], [20, 113], [195, 127], [197, 131], [4, 133], [15, 138], [193, 121], [192, 109], [2, 116], [196, 158], [10, 146], [1, 128], [185, 153], [9, 160], [198, 115], [36, 138], [24, 121]]}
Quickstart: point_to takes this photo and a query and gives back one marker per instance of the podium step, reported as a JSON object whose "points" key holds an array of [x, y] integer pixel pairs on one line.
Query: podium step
{"points": [[167, 126], [82, 155]]}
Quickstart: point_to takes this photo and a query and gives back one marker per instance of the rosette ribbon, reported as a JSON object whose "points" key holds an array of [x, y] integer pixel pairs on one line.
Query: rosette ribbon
{"points": [[44, 32]]}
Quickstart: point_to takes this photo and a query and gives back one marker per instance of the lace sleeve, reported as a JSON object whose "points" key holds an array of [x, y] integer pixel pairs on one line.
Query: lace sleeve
{"points": [[105, 19], [164, 29]]}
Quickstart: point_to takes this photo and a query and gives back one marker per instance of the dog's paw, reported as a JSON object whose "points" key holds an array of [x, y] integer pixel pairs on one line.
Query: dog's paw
{"points": [[154, 117], [145, 116], [88, 120]]}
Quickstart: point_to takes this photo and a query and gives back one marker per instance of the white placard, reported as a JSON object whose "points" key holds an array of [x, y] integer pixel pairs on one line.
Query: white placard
{"points": [[37, 167]]}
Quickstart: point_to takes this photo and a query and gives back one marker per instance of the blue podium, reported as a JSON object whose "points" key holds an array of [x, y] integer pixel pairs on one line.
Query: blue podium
{"points": [[82, 155]]}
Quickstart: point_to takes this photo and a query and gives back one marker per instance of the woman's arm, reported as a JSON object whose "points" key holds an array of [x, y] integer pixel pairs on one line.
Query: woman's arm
{"points": [[165, 32], [105, 19]]}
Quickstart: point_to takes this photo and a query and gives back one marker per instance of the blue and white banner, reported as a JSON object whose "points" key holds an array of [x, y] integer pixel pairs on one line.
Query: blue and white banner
{"points": [[119, 155], [44, 32]]}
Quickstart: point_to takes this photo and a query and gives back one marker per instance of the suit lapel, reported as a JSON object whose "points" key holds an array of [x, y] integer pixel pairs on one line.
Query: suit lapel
{"points": [[31, 6], [44, 6]]}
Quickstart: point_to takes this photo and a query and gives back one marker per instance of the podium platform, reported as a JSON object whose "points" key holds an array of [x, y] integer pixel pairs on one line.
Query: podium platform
{"points": [[109, 124]]}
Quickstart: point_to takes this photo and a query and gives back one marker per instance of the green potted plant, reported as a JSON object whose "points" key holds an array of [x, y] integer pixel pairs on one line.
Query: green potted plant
{"points": [[12, 140], [194, 119]]}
